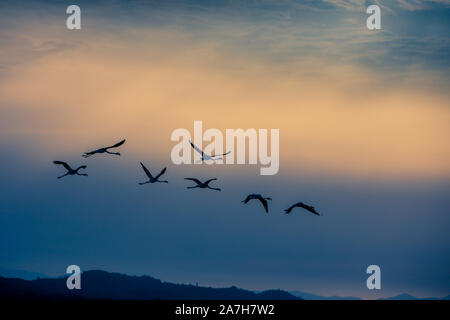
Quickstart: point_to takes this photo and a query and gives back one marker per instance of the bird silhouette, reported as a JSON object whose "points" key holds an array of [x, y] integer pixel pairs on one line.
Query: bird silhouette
{"points": [[207, 156], [304, 206], [104, 150], [70, 171], [202, 185], [150, 176], [260, 198]]}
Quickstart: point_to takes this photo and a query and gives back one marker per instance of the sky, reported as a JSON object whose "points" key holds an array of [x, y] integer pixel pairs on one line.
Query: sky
{"points": [[364, 125]]}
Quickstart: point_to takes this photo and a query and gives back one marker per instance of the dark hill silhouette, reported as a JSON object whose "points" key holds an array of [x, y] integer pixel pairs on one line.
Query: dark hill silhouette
{"points": [[403, 296], [311, 296], [98, 284], [21, 274], [406, 296]]}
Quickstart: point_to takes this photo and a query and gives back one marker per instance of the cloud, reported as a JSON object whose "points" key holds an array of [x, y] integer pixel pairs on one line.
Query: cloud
{"points": [[413, 5], [353, 5], [389, 5], [115, 86], [270, 30]]}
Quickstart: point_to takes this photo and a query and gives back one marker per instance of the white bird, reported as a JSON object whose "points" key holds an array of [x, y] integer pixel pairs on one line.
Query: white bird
{"points": [[304, 206], [151, 178], [207, 156], [260, 198], [202, 185], [70, 171], [104, 150]]}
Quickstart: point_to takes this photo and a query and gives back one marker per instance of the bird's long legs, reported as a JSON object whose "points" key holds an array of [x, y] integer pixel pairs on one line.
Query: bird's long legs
{"points": [[116, 153]]}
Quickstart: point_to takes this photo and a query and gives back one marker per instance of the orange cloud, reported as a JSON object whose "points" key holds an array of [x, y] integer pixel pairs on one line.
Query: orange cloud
{"points": [[333, 120]]}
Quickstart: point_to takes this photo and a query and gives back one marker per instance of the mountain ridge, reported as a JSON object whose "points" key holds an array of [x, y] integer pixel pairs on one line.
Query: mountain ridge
{"points": [[312, 296], [98, 284]]}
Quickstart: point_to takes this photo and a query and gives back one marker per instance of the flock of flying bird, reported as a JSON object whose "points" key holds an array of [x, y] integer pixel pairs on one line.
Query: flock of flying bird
{"points": [[198, 183]]}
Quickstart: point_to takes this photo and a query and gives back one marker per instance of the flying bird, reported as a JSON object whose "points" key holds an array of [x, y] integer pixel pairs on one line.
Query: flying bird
{"points": [[260, 198], [207, 156], [104, 150], [304, 206], [70, 171], [151, 178], [202, 185]]}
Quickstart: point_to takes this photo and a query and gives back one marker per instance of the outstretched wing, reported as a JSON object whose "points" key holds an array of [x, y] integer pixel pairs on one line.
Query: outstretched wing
{"points": [[195, 180], [288, 210], [195, 148], [309, 208], [63, 164], [247, 199], [146, 171], [118, 144], [208, 181], [264, 203], [161, 173]]}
